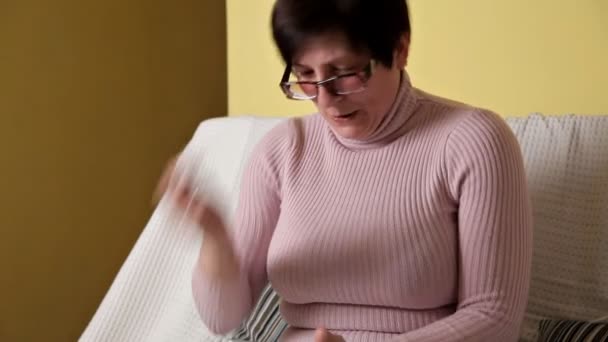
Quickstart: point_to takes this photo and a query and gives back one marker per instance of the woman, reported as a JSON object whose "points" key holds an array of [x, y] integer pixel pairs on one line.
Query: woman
{"points": [[389, 215]]}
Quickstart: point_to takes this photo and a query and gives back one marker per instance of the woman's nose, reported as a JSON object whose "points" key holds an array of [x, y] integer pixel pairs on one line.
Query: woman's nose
{"points": [[325, 96]]}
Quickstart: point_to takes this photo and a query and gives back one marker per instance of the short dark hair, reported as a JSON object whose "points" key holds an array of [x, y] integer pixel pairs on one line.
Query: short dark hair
{"points": [[372, 26]]}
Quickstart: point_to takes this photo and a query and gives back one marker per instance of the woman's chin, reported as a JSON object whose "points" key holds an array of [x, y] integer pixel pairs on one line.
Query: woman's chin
{"points": [[354, 133], [349, 127]]}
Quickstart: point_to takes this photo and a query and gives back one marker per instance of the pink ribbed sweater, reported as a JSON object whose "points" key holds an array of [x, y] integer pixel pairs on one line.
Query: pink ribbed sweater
{"points": [[422, 232]]}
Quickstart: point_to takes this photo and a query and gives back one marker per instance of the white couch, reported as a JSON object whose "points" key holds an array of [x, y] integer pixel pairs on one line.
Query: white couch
{"points": [[567, 164]]}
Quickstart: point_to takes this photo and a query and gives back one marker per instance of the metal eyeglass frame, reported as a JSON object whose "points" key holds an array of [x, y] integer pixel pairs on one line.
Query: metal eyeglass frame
{"points": [[367, 71]]}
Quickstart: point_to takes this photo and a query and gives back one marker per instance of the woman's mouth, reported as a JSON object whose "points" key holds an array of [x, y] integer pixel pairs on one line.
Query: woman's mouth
{"points": [[345, 117]]}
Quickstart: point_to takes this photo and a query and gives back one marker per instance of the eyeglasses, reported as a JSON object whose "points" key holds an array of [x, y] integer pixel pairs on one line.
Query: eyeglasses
{"points": [[353, 82]]}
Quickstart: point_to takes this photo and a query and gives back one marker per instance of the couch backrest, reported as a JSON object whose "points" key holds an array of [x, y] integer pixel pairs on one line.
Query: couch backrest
{"points": [[566, 160], [567, 164], [151, 298]]}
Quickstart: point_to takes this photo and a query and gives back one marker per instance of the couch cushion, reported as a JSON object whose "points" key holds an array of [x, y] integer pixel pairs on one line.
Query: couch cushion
{"points": [[566, 160], [572, 331], [265, 322]]}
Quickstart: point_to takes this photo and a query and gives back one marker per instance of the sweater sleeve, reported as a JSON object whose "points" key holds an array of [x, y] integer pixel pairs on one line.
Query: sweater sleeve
{"points": [[223, 305], [486, 177]]}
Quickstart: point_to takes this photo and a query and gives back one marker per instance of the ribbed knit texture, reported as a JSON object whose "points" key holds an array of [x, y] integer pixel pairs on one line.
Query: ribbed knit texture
{"points": [[420, 233]]}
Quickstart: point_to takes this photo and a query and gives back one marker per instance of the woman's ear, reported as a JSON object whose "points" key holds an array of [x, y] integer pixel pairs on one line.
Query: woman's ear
{"points": [[402, 52]]}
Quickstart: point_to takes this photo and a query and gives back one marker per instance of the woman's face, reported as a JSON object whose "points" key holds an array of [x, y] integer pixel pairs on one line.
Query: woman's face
{"points": [[357, 115]]}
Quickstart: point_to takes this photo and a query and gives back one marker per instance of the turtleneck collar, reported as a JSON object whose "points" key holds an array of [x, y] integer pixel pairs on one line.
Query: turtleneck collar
{"points": [[392, 125]]}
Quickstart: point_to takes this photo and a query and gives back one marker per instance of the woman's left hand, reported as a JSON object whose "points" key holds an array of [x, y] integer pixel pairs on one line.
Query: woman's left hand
{"points": [[322, 335]]}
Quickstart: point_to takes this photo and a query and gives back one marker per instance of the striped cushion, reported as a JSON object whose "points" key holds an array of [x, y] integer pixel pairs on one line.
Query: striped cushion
{"points": [[572, 331], [265, 322]]}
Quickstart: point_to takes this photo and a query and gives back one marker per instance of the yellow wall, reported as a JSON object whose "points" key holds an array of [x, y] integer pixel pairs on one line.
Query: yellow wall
{"points": [[94, 97], [514, 57]]}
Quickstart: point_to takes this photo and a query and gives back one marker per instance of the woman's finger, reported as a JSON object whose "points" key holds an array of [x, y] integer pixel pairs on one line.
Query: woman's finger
{"points": [[163, 184], [187, 198], [323, 335]]}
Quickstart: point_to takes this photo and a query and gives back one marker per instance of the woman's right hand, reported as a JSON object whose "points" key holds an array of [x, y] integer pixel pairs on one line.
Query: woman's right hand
{"points": [[179, 185], [216, 257]]}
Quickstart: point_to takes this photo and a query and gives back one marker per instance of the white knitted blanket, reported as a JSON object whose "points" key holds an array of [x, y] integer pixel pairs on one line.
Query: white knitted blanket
{"points": [[567, 164], [566, 161]]}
